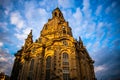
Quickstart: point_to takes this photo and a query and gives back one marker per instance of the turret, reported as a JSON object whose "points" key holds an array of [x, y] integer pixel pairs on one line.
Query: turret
{"points": [[29, 40]]}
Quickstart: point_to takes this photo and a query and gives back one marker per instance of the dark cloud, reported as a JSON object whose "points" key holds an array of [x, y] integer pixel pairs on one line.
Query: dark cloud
{"points": [[5, 37], [5, 3], [109, 58], [6, 62]]}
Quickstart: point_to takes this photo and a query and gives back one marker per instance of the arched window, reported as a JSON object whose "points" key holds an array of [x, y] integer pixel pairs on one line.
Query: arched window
{"points": [[65, 60], [65, 56], [55, 13], [48, 66]]}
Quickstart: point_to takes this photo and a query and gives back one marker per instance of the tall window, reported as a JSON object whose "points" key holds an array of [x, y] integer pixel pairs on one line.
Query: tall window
{"points": [[48, 66], [65, 69], [31, 69], [32, 64], [66, 74], [65, 56]]}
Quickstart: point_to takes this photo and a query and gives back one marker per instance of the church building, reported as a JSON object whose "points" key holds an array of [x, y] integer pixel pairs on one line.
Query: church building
{"points": [[55, 55]]}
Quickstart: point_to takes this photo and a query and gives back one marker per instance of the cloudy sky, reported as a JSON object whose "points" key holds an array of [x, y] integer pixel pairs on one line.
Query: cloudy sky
{"points": [[96, 21]]}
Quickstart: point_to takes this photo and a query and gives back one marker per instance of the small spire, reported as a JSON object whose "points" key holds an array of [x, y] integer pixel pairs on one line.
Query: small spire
{"points": [[30, 34], [80, 40], [29, 40], [31, 31], [57, 5]]}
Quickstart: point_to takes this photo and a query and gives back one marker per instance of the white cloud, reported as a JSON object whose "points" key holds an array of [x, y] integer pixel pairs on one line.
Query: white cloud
{"points": [[98, 10], [66, 12], [3, 59], [21, 37], [82, 27], [29, 10], [7, 11], [100, 25], [95, 46], [89, 45], [21, 27], [99, 68], [3, 25], [78, 15], [42, 12], [27, 31], [48, 4], [42, 3], [86, 5], [110, 7], [107, 9], [1, 44], [100, 32], [88, 35], [35, 18], [35, 15], [75, 17], [66, 3], [105, 43], [86, 8], [17, 20]]}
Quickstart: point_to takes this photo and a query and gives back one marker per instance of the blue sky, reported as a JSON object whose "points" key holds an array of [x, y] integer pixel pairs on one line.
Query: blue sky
{"points": [[96, 21]]}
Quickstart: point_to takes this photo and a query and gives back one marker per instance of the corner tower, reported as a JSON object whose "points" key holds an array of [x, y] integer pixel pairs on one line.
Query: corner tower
{"points": [[56, 55]]}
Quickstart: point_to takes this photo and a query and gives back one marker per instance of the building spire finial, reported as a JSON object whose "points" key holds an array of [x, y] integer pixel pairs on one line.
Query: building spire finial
{"points": [[30, 32], [57, 5]]}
